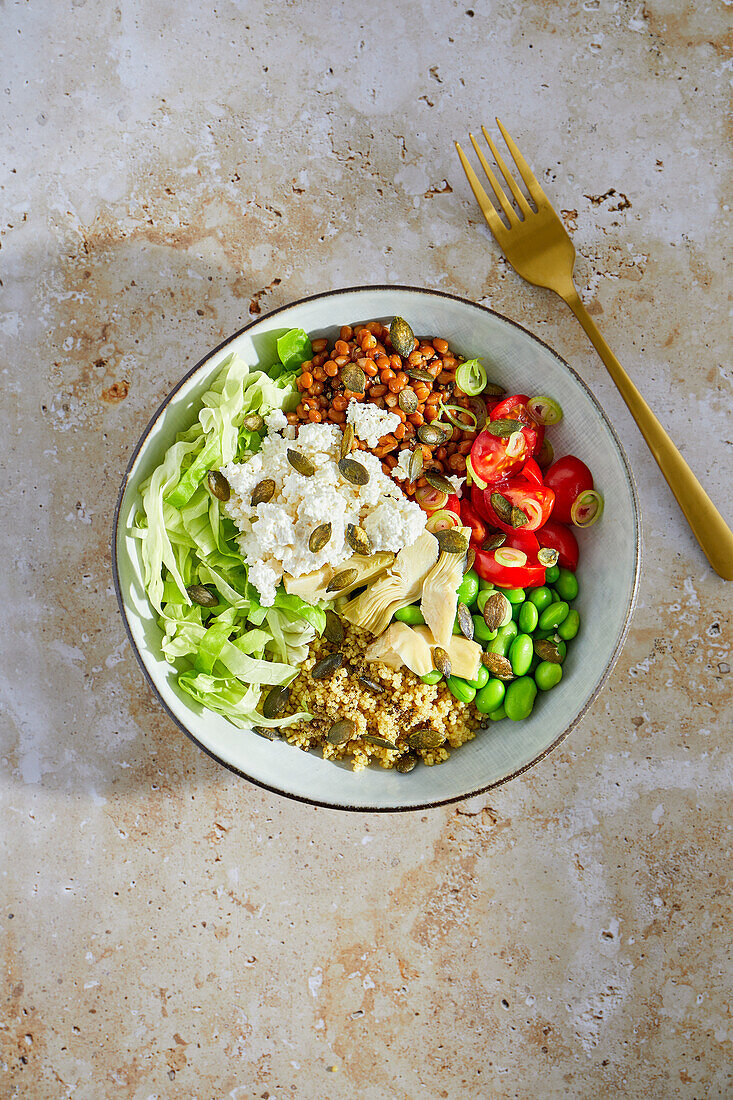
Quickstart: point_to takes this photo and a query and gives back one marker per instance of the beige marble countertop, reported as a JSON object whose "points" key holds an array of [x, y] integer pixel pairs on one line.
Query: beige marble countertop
{"points": [[169, 171]]}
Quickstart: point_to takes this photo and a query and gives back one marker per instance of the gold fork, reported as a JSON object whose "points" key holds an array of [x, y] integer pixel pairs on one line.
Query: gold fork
{"points": [[539, 249]]}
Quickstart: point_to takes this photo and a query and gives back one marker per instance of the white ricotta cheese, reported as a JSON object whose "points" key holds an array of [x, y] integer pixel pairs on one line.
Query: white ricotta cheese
{"points": [[370, 422]]}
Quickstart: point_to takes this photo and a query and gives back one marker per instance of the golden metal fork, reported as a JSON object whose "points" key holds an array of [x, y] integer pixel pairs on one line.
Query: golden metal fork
{"points": [[538, 247]]}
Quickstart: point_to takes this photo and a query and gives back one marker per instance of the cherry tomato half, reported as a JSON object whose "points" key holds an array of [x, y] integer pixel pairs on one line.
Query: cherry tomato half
{"points": [[532, 472], [472, 519], [453, 504], [531, 575], [568, 477], [558, 537], [536, 501], [515, 408], [490, 460]]}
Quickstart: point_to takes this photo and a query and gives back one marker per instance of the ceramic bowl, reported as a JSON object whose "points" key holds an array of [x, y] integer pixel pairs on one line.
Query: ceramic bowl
{"points": [[608, 572]]}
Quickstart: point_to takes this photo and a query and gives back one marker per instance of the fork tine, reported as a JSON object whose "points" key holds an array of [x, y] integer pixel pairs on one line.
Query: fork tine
{"points": [[518, 196], [498, 190], [524, 169], [487, 207]]}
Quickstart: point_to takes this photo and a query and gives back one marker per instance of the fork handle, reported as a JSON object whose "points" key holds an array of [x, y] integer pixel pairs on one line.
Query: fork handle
{"points": [[706, 522]]}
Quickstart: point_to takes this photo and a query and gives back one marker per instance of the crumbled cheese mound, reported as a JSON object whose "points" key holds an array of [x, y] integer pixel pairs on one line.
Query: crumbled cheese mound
{"points": [[370, 422], [275, 534], [402, 470]]}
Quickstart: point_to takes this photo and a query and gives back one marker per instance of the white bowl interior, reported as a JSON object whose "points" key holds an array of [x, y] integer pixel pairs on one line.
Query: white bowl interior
{"points": [[607, 574]]}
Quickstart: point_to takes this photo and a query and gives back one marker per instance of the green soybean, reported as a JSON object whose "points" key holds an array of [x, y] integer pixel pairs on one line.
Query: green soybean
{"points": [[505, 635], [521, 652], [412, 615], [497, 715], [528, 618], [468, 588], [547, 675], [514, 595], [553, 615], [566, 585], [481, 632], [482, 678], [552, 574], [461, 689], [457, 626], [485, 586], [481, 600], [540, 597], [519, 698], [509, 630], [561, 649], [432, 677], [490, 697], [570, 626]]}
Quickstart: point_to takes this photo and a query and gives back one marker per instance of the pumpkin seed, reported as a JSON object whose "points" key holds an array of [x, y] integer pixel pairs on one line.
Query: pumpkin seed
{"points": [[341, 731], [425, 738], [494, 610], [441, 660], [202, 596], [253, 423], [353, 471], [347, 440], [219, 487], [502, 507], [547, 651], [407, 400], [493, 542], [465, 621], [371, 685], [498, 666], [420, 375], [319, 538], [263, 491], [431, 435], [275, 702], [470, 559], [492, 390], [300, 463], [381, 742], [547, 557], [263, 731], [406, 763], [334, 630], [452, 541], [342, 580], [436, 480], [402, 336], [327, 666], [358, 539], [416, 464], [503, 428], [353, 378], [518, 518]]}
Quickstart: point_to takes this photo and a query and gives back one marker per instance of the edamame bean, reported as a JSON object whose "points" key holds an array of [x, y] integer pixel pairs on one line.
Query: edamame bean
{"points": [[516, 608], [552, 574], [519, 698], [553, 615], [485, 586], [468, 588], [481, 632], [412, 615], [514, 595], [561, 648], [498, 714], [566, 585], [571, 625], [547, 675], [505, 635], [529, 616], [461, 689], [509, 630], [482, 678], [457, 626], [521, 652], [490, 696], [484, 595], [540, 597], [432, 677]]}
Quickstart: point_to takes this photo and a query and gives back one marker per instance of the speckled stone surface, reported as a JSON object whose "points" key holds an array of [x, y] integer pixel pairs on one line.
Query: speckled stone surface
{"points": [[169, 171]]}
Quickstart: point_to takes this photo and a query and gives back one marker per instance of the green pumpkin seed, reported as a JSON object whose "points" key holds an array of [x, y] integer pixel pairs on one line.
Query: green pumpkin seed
{"points": [[493, 542], [353, 378], [426, 738], [470, 559], [263, 731], [407, 400], [495, 610], [402, 337], [347, 440], [547, 557], [416, 464], [253, 423], [502, 507], [371, 685], [202, 596], [518, 518], [547, 651], [219, 487], [498, 666], [319, 538], [442, 662], [492, 390], [357, 539], [353, 471], [341, 732], [300, 463], [503, 428], [380, 742], [420, 375], [465, 621], [436, 480], [406, 763], [275, 702], [327, 666], [263, 491], [342, 580], [452, 541], [431, 435], [334, 629]]}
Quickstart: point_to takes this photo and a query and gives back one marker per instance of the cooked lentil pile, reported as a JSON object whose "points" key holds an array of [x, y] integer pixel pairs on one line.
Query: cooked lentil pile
{"points": [[359, 705]]}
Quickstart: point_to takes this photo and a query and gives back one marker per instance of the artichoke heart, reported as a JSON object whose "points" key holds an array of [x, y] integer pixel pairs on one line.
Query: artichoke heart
{"points": [[440, 597], [401, 645], [312, 586], [465, 656], [401, 585]]}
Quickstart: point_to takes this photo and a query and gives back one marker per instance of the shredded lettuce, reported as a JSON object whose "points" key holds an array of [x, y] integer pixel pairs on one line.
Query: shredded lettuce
{"points": [[225, 655]]}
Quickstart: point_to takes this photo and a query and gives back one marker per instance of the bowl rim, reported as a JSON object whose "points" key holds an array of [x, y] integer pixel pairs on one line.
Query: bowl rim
{"points": [[363, 289]]}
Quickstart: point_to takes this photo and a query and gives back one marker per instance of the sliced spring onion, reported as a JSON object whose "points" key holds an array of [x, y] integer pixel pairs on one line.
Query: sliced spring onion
{"points": [[477, 406], [515, 444], [442, 520], [545, 410], [546, 454], [430, 499], [533, 510], [470, 472], [471, 377], [508, 556], [450, 409], [547, 557], [587, 508]]}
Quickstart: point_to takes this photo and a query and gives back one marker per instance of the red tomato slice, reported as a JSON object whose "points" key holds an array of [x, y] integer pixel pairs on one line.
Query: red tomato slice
{"points": [[471, 518], [516, 576], [532, 472], [515, 408], [535, 501], [453, 504], [558, 537], [477, 500], [490, 460], [522, 539], [568, 478]]}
